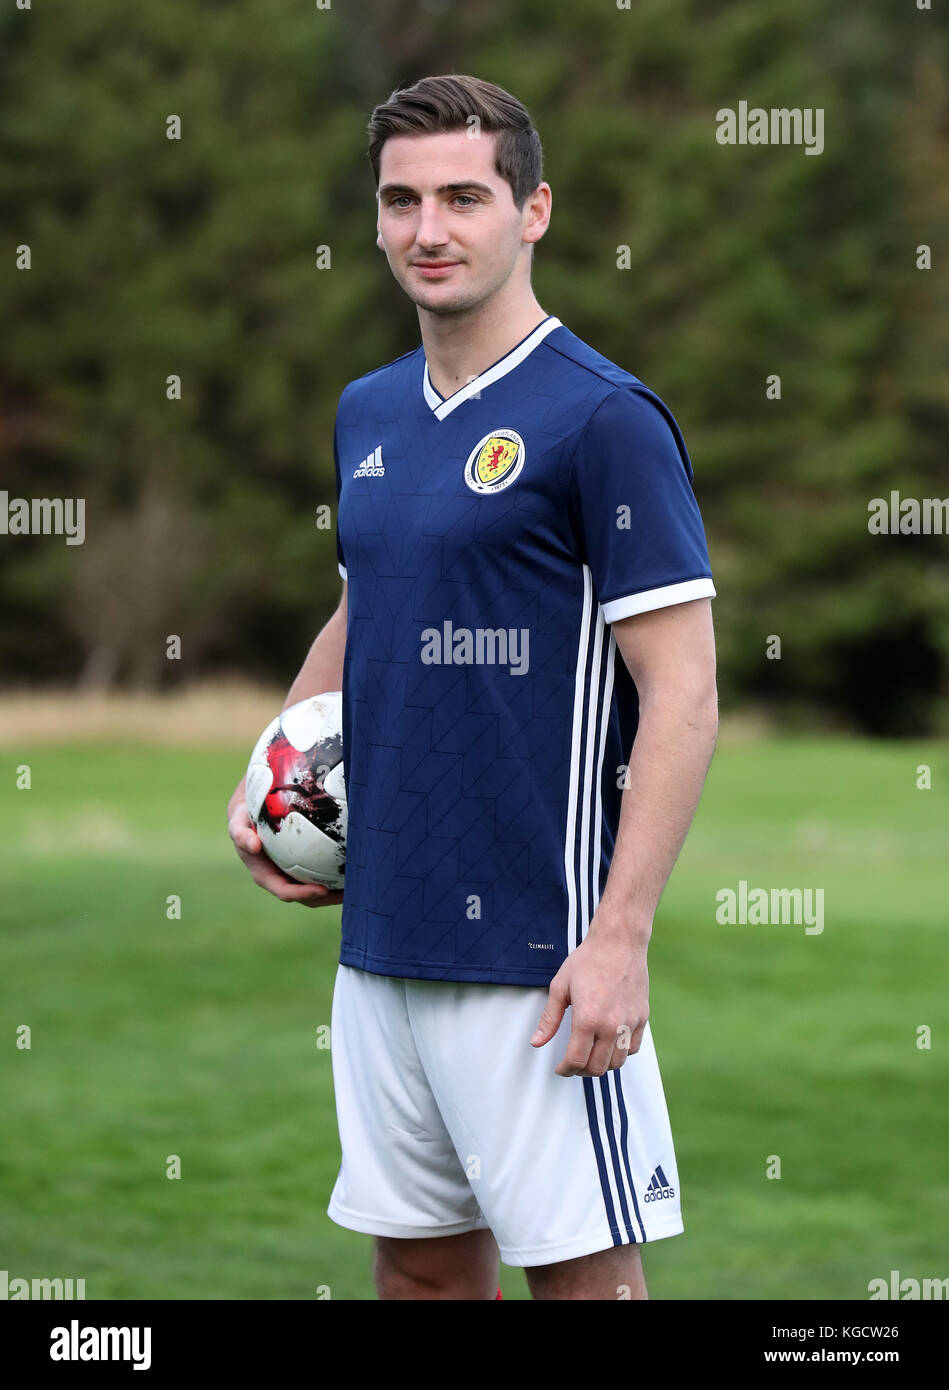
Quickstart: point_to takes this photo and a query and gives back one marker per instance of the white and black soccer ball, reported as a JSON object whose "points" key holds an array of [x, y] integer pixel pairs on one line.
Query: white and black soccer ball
{"points": [[296, 794]]}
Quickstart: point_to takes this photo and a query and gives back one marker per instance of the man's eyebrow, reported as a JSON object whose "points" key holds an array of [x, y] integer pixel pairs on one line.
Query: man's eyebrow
{"points": [[444, 188]]}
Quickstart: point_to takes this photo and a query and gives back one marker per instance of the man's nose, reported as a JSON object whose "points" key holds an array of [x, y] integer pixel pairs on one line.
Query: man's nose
{"points": [[431, 229]]}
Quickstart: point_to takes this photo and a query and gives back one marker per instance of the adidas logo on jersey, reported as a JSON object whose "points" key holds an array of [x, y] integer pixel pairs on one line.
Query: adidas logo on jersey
{"points": [[658, 1187], [371, 467]]}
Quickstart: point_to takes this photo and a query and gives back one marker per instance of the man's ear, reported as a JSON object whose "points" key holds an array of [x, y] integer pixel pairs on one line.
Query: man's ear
{"points": [[379, 241]]}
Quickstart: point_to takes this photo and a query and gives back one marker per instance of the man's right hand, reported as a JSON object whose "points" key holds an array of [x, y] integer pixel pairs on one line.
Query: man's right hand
{"points": [[263, 870]]}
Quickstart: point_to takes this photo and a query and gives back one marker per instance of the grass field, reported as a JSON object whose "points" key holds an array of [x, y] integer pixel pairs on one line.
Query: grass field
{"points": [[197, 1037]]}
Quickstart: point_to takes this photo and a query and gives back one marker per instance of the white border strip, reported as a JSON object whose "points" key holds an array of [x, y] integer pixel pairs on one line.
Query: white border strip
{"points": [[442, 408], [657, 598], [594, 720], [570, 846], [604, 725]]}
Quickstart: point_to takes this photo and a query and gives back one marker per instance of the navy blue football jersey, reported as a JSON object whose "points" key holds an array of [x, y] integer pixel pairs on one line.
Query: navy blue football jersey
{"points": [[488, 540]]}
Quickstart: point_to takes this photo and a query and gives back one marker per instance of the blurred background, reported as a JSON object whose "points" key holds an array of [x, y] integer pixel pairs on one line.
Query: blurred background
{"points": [[205, 257]]}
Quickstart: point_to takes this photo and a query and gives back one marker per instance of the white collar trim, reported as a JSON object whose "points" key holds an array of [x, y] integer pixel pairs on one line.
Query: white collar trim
{"points": [[440, 408]]}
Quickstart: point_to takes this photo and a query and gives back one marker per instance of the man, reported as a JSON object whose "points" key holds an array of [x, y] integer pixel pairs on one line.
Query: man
{"points": [[513, 507]]}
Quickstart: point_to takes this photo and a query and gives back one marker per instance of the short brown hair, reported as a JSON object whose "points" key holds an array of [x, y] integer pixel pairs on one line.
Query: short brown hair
{"points": [[435, 104]]}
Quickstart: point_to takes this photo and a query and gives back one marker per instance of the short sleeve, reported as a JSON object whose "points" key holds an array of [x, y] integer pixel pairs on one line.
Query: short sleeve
{"points": [[641, 531], [340, 558]]}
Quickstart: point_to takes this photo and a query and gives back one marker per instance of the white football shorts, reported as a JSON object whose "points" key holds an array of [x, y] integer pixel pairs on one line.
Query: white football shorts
{"points": [[450, 1121]]}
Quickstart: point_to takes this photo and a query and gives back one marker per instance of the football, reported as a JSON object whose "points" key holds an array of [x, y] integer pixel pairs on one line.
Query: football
{"points": [[295, 792]]}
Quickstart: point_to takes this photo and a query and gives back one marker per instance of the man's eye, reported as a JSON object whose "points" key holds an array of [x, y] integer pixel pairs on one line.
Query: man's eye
{"points": [[406, 197]]}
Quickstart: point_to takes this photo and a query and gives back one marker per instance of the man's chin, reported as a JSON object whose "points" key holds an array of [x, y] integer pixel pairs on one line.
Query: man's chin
{"points": [[442, 304], [442, 299]]}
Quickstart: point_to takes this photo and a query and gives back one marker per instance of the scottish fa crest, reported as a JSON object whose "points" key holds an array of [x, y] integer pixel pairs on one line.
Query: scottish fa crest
{"points": [[495, 461]]}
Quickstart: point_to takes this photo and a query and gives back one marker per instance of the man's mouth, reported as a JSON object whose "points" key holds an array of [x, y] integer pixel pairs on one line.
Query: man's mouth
{"points": [[434, 269]]}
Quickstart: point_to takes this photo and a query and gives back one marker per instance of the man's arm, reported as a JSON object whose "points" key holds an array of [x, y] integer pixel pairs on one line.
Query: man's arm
{"points": [[670, 653], [321, 670], [323, 667]]}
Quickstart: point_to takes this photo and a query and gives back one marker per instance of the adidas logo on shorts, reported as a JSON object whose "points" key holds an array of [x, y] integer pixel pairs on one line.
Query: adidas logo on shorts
{"points": [[659, 1187], [371, 466]]}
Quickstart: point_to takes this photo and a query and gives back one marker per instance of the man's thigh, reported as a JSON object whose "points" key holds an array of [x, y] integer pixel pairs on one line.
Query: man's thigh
{"points": [[444, 1267], [466, 1267], [452, 1124], [400, 1176], [615, 1274], [562, 1167]]}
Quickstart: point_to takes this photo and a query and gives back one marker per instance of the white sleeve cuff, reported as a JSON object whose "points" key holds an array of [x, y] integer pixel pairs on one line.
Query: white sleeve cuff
{"points": [[657, 598], [342, 571]]}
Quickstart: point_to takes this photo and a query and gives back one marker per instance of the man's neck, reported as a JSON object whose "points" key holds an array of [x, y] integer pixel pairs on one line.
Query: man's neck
{"points": [[459, 348]]}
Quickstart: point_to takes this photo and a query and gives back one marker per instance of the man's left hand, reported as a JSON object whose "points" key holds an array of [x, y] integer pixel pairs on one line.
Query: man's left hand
{"points": [[605, 981]]}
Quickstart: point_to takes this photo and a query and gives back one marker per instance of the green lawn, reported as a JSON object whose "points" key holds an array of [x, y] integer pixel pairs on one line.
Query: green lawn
{"points": [[197, 1037]]}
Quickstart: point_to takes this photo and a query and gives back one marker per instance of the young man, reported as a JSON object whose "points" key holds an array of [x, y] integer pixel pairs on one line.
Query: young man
{"points": [[513, 508]]}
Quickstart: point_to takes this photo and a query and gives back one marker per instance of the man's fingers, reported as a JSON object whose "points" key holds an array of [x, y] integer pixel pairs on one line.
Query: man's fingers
{"points": [[600, 1052], [265, 872], [330, 899], [591, 1052], [241, 830], [604, 1049], [551, 1018], [249, 840], [627, 1040], [579, 1046], [310, 894], [287, 889]]}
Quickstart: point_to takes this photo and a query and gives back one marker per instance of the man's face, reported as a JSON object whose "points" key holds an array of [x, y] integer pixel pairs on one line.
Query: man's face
{"points": [[471, 228]]}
